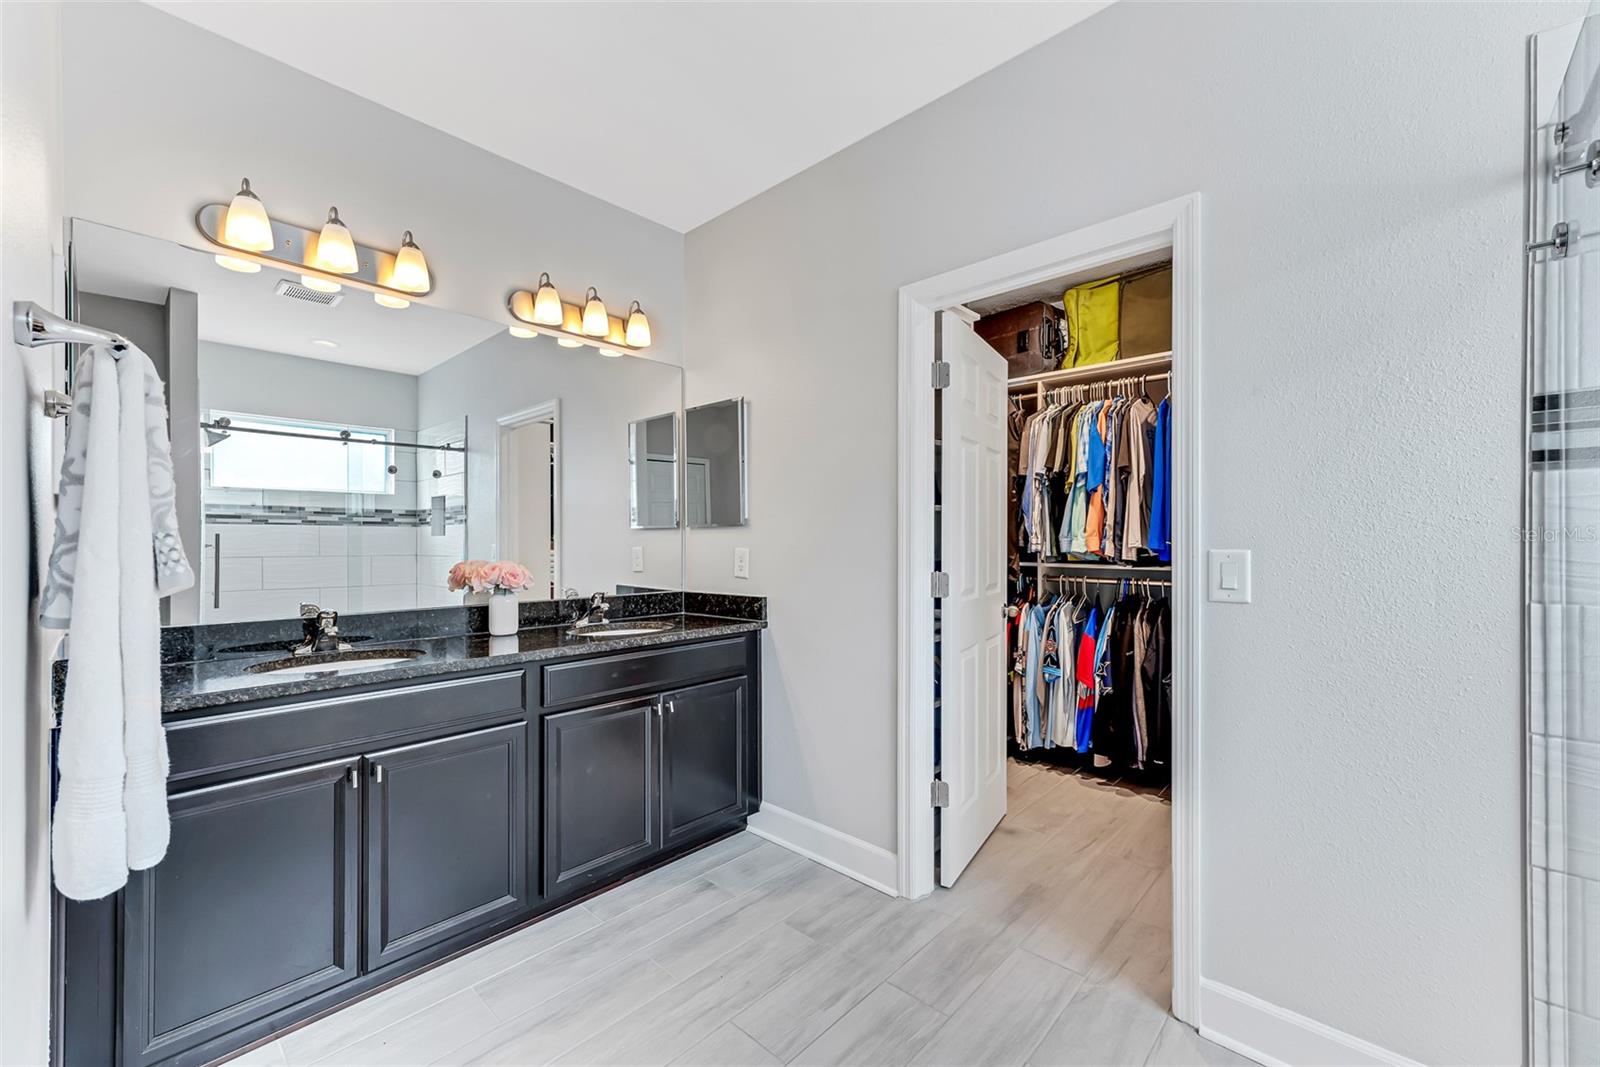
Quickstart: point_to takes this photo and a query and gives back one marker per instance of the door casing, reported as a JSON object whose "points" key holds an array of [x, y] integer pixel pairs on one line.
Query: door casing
{"points": [[1175, 224]]}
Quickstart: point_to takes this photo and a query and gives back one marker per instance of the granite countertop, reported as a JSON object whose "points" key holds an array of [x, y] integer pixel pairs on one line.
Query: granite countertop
{"points": [[216, 682]]}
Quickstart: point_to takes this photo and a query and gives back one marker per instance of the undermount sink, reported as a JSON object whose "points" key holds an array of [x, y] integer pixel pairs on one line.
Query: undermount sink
{"points": [[620, 629], [364, 659]]}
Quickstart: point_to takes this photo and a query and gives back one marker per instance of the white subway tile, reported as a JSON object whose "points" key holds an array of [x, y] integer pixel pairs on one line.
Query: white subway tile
{"points": [[285, 573], [393, 570]]}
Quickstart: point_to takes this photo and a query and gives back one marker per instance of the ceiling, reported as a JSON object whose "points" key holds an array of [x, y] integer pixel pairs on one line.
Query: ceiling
{"points": [[675, 111], [243, 309]]}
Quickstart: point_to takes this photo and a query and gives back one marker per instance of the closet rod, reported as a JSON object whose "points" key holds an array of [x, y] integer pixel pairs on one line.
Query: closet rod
{"points": [[1139, 366], [1109, 568], [1066, 579]]}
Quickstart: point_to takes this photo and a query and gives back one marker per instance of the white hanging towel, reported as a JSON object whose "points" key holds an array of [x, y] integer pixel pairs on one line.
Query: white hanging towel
{"points": [[116, 553]]}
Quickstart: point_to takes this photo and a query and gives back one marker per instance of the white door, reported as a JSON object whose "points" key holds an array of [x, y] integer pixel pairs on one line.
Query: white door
{"points": [[972, 655]]}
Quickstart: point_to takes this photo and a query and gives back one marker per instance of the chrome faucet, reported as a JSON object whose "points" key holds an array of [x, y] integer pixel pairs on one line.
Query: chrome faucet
{"points": [[321, 632], [596, 615]]}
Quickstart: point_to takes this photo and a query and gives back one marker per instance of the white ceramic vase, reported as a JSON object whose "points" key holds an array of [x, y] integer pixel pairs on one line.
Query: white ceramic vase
{"points": [[502, 614]]}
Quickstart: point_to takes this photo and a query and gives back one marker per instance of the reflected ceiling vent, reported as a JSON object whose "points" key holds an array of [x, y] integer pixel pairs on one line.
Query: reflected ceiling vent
{"points": [[295, 291]]}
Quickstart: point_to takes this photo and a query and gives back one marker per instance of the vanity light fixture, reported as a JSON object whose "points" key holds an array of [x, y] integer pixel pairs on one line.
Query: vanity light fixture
{"points": [[336, 249], [326, 260], [595, 321], [410, 268], [571, 323], [321, 285], [246, 225], [638, 331], [541, 310], [547, 307]]}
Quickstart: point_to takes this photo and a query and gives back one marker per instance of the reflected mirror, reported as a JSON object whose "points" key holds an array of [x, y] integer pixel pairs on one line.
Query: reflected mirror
{"points": [[653, 472], [715, 483], [331, 451]]}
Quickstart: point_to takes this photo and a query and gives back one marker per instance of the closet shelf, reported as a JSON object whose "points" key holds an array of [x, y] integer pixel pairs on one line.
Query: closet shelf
{"points": [[1117, 368]]}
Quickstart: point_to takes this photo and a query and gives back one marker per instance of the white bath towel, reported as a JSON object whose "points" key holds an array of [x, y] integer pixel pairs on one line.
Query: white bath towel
{"points": [[116, 552]]}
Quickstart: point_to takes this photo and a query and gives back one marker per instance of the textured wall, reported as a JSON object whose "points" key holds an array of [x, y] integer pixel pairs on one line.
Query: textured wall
{"points": [[30, 233], [1361, 174]]}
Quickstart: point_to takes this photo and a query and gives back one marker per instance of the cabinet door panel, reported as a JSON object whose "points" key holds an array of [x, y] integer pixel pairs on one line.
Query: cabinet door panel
{"points": [[703, 749], [447, 839], [600, 792], [253, 908]]}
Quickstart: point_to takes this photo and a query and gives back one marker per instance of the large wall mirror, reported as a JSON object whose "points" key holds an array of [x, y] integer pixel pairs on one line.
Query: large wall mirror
{"points": [[331, 451], [716, 486]]}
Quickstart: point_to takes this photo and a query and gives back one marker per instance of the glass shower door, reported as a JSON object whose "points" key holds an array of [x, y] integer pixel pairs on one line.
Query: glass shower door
{"points": [[1562, 539]]}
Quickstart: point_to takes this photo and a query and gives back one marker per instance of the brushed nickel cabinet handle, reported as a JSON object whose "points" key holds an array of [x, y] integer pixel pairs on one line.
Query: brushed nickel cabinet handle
{"points": [[377, 773], [353, 778]]}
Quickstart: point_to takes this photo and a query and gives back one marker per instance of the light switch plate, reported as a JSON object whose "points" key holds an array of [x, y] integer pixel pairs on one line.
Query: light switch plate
{"points": [[638, 558], [741, 563], [1229, 570]]}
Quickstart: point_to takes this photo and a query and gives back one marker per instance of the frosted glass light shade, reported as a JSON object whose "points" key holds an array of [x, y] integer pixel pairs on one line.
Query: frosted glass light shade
{"points": [[638, 335], [321, 285], [596, 323], [410, 268], [547, 307], [336, 250], [572, 322], [246, 224], [243, 266], [384, 300]]}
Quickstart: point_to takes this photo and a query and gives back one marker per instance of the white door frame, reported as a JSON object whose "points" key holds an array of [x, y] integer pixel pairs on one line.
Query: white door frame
{"points": [[1175, 223], [549, 411]]}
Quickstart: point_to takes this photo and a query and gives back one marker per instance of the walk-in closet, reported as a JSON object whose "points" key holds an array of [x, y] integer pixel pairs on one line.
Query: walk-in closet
{"points": [[1084, 648]]}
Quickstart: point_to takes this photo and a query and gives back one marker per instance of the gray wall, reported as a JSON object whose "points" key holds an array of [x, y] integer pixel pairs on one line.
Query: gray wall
{"points": [[1361, 174], [599, 397], [141, 322], [249, 380], [204, 112]]}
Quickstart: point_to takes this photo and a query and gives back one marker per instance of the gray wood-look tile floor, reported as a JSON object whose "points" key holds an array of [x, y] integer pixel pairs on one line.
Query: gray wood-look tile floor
{"points": [[1053, 948]]}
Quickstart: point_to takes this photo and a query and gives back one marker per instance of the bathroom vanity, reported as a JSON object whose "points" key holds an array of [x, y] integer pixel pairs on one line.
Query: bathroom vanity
{"points": [[335, 833]]}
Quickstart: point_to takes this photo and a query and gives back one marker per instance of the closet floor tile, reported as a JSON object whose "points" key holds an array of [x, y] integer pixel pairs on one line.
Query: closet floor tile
{"points": [[1054, 946]]}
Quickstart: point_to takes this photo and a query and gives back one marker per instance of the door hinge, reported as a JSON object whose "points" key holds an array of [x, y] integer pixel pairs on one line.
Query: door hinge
{"points": [[941, 375], [940, 584], [940, 793]]}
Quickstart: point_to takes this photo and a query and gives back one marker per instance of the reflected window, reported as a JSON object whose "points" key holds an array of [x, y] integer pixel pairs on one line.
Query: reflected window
{"points": [[318, 462]]}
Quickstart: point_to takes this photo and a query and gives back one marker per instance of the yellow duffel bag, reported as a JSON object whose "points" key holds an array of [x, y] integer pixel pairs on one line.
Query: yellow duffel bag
{"points": [[1092, 330]]}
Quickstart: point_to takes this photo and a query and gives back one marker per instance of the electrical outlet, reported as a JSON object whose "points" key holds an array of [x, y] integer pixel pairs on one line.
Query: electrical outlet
{"points": [[638, 559], [741, 563]]}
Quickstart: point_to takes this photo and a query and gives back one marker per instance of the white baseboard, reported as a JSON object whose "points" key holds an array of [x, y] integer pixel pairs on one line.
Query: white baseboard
{"points": [[851, 856], [1279, 1037]]}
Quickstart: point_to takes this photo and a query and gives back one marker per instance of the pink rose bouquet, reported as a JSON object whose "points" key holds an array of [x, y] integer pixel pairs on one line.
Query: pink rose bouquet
{"points": [[484, 576]]}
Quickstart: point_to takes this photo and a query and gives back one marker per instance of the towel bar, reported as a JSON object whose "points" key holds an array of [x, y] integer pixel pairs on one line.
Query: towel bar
{"points": [[33, 326]]}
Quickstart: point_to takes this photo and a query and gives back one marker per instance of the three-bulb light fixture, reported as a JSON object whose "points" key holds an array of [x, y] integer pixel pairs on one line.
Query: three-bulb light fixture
{"points": [[542, 311], [327, 259]]}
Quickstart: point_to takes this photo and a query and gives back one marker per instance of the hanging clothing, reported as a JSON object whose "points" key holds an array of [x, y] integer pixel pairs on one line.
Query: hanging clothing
{"points": [[1160, 541]]}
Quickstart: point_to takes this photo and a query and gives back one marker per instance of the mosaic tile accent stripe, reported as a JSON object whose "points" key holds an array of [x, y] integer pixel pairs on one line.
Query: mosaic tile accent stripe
{"points": [[288, 515]]}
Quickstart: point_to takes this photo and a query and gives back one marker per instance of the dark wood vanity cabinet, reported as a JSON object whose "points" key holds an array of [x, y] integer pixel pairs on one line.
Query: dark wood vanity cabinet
{"points": [[704, 758], [327, 844], [600, 788], [446, 839], [626, 781], [254, 909]]}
